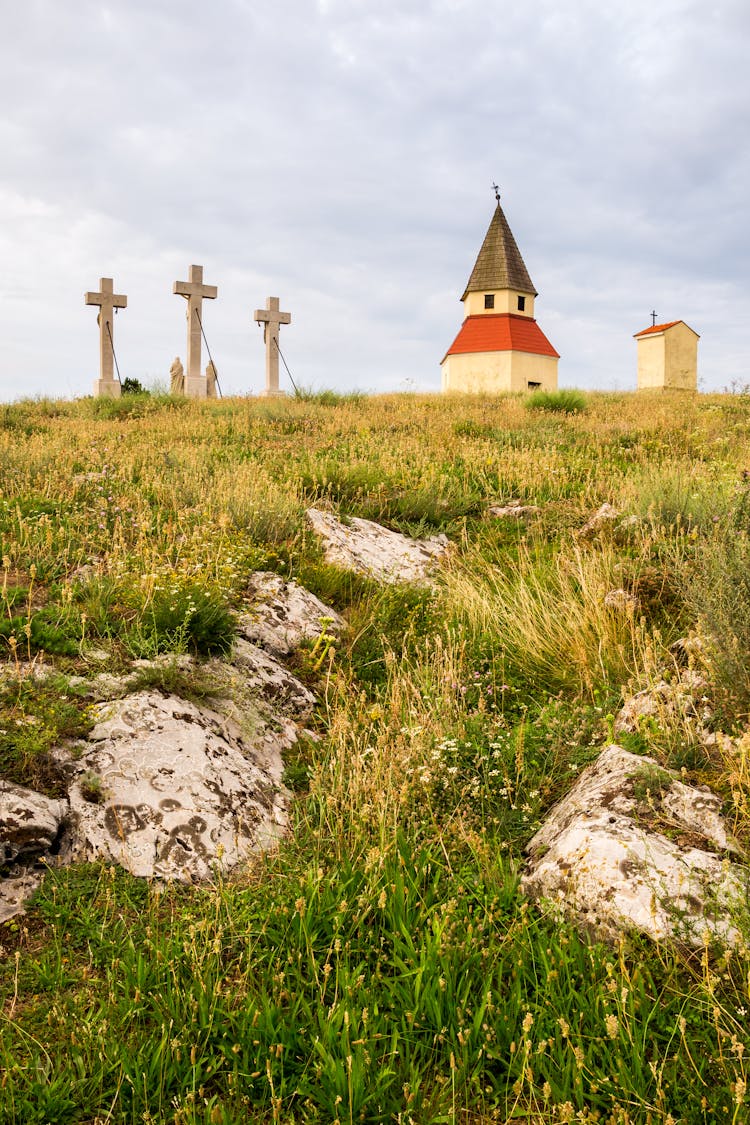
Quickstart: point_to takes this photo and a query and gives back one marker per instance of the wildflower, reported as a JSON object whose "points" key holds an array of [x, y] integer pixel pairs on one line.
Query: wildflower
{"points": [[613, 1026], [528, 1020]]}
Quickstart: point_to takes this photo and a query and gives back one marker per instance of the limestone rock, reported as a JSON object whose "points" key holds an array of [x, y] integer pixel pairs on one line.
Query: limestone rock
{"points": [[604, 517], [15, 892], [515, 510], [271, 681], [29, 823], [681, 696], [375, 551], [284, 614], [169, 790], [633, 848], [30, 828]]}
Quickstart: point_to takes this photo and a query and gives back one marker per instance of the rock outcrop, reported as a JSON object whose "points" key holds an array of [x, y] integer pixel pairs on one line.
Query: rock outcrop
{"points": [[170, 790], [375, 551], [29, 823], [633, 848], [166, 787], [30, 829], [283, 614]]}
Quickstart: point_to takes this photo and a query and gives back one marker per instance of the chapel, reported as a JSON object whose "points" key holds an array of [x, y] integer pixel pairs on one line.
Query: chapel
{"points": [[668, 357], [500, 346]]}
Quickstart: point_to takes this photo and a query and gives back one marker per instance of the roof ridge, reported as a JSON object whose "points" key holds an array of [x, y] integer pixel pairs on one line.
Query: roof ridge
{"points": [[655, 328]]}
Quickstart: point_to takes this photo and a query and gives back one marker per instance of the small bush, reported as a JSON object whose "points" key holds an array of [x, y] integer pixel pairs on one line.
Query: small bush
{"points": [[132, 386], [51, 630], [327, 397], [182, 619], [567, 401], [675, 497]]}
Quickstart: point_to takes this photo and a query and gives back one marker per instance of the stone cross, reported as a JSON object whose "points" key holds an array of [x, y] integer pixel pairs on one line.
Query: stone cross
{"points": [[194, 290], [271, 318], [107, 300]]}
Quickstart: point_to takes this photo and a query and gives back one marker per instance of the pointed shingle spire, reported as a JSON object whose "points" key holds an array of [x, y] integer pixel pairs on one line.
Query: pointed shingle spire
{"points": [[499, 264]]}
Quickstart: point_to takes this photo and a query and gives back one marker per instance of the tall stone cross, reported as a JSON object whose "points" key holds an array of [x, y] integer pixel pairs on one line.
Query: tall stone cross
{"points": [[195, 291], [271, 318], [108, 300]]}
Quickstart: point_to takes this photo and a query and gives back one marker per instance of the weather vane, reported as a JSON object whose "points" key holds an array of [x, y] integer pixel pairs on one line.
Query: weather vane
{"points": [[496, 190]]}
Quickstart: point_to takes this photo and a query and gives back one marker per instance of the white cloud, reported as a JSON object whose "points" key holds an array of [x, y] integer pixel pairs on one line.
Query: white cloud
{"points": [[340, 156]]}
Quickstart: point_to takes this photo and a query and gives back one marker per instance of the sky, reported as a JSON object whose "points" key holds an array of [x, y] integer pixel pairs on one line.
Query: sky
{"points": [[340, 154]]}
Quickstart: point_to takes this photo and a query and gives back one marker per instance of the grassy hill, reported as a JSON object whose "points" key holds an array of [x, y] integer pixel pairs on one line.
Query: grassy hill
{"points": [[382, 965]]}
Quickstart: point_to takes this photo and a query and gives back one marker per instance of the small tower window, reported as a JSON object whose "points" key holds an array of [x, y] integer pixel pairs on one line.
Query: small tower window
{"points": [[489, 300], [521, 304]]}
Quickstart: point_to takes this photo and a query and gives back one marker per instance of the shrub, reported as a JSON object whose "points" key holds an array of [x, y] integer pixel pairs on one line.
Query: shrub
{"points": [[132, 386], [182, 618], [675, 497], [567, 401], [327, 397]]}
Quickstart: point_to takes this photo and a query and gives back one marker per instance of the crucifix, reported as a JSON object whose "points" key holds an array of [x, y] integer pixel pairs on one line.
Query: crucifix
{"points": [[652, 314], [107, 300], [195, 291], [271, 318]]}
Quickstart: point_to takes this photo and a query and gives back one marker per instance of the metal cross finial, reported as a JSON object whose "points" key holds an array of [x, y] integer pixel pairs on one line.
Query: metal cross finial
{"points": [[496, 190], [653, 318]]}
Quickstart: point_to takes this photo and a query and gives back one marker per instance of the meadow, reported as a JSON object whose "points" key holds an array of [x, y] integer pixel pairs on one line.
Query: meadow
{"points": [[382, 965]]}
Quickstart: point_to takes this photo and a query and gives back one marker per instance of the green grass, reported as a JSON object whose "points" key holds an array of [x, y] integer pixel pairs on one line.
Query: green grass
{"points": [[557, 402], [383, 965]]}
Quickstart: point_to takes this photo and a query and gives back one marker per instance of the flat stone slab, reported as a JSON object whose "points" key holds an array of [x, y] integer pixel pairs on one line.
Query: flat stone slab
{"points": [[171, 791], [375, 551], [283, 615], [633, 848]]}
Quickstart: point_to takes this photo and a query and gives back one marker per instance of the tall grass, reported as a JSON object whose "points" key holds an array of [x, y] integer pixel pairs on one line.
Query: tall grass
{"points": [[547, 619]]}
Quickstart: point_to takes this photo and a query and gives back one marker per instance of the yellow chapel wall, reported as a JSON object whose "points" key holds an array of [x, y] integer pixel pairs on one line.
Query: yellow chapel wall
{"points": [[651, 363], [498, 372], [506, 301], [681, 372]]}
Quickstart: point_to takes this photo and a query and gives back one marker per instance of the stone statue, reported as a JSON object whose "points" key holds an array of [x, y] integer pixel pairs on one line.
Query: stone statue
{"points": [[211, 380], [177, 378]]}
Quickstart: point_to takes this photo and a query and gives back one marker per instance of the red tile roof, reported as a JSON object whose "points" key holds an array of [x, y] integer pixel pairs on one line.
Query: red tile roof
{"points": [[656, 328], [501, 332]]}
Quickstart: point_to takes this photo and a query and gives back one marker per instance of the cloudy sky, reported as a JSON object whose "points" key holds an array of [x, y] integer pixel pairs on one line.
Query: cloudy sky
{"points": [[340, 154]]}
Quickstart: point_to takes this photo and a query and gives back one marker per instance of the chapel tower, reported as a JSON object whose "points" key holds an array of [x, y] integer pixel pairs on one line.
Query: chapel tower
{"points": [[500, 346]]}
